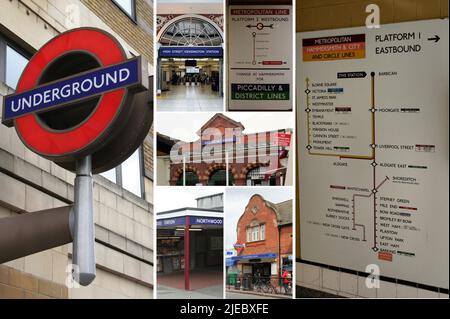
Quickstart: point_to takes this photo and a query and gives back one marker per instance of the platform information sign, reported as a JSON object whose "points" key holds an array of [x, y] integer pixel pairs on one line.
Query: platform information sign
{"points": [[373, 131], [260, 57]]}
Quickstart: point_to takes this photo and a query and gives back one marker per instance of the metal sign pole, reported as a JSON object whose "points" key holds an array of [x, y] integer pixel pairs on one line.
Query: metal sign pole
{"points": [[227, 177], [187, 254], [184, 170], [84, 239]]}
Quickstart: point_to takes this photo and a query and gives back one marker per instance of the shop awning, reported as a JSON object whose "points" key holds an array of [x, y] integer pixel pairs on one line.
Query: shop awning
{"points": [[229, 262], [254, 256]]}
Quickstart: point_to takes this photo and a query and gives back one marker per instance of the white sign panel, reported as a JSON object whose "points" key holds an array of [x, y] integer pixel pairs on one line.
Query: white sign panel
{"points": [[260, 57], [374, 149], [274, 269]]}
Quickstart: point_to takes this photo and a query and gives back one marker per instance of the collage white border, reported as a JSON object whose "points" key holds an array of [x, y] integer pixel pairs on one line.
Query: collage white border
{"points": [[293, 151]]}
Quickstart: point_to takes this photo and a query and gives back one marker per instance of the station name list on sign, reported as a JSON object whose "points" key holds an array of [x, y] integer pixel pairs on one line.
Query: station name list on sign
{"points": [[73, 89]]}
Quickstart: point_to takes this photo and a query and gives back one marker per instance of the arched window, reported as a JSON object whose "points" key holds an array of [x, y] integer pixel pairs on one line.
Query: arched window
{"points": [[218, 178], [191, 32], [191, 179]]}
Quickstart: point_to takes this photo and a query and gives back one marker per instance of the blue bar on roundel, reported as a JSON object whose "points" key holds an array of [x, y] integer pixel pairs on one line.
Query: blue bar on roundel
{"points": [[72, 89]]}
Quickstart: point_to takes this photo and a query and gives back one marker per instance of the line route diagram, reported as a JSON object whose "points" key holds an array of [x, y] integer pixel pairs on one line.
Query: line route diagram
{"points": [[372, 110], [259, 57]]}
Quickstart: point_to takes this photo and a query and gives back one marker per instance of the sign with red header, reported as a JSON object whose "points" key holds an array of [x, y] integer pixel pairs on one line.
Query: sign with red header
{"points": [[283, 139], [260, 59]]}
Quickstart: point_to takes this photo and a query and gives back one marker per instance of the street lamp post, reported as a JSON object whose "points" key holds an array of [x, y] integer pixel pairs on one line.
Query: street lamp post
{"points": [[279, 255]]}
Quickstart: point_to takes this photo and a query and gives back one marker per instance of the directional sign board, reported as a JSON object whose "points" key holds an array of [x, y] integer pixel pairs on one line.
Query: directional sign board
{"points": [[373, 133], [260, 57]]}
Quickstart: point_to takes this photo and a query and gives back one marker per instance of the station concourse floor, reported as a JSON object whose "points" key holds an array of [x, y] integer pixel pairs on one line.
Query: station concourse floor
{"points": [[204, 283], [182, 98]]}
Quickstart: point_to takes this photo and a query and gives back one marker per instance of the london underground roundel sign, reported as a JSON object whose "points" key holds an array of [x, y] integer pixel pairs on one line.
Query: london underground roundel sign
{"points": [[81, 94]]}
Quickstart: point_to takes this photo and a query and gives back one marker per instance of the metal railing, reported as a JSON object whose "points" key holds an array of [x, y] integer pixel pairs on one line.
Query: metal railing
{"points": [[275, 285]]}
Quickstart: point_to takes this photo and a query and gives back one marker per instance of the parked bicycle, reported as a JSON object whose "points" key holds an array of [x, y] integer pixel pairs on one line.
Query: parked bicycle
{"points": [[261, 284], [258, 285]]}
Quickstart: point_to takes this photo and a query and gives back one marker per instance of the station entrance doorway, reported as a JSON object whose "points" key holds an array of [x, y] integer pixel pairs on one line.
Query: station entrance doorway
{"points": [[190, 251]]}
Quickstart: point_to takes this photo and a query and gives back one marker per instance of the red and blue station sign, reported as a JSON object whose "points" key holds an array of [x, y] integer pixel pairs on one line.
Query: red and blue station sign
{"points": [[72, 89], [110, 82]]}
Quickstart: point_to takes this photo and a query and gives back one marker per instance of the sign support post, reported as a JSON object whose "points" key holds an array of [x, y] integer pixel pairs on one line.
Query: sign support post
{"points": [[187, 255], [226, 168], [184, 170], [84, 239]]}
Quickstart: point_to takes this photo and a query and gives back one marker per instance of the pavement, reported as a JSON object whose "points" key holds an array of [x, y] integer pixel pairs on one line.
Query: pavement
{"points": [[182, 98], [199, 279], [204, 283], [236, 295], [212, 292], [232, 294]]}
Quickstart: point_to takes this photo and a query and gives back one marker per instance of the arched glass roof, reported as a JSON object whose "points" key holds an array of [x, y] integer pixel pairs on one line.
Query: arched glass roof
{"points": [[191, 32]]}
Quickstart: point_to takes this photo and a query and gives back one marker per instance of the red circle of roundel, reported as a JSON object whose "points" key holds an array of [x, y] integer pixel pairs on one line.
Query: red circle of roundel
{"points": [[53, 143]]}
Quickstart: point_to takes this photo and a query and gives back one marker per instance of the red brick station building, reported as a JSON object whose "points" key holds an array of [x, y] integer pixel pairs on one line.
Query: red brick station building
{"points": [[239, 152], [264, 239]]}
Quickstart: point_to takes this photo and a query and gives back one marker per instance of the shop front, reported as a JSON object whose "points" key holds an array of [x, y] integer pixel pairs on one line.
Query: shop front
{"points": [[251, 270], [189, 244], [263, 265], [263, 260], [227, 157]]}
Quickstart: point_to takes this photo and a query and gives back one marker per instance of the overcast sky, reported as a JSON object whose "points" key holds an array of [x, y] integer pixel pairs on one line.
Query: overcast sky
{"points": [[168, 198], [184, 126], [237, 199]]}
